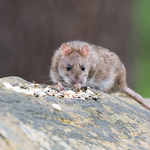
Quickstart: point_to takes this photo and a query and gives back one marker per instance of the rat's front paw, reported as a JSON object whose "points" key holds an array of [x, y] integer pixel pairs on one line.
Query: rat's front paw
{"points": [[60, 86]]}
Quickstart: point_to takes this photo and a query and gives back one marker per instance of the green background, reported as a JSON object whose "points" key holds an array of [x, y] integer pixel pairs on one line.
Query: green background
{"points": [[141, 32]]}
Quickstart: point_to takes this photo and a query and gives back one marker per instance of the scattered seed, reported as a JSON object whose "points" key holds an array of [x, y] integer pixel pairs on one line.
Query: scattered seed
{"points": [[82, 98], [43, 94], [37, 92], [89, 92], [77, 90], [50, 94], [56, 106], [16, 88], [66, 96], [60, 94], [29, 89], [94, 97], [84, 88], [42, 86], [53, 91], [7, 85], [36, 85], [69, 92], [70, 96], [21, 85], [76, 96], [85, 95], [46, 90], [28, 92]]}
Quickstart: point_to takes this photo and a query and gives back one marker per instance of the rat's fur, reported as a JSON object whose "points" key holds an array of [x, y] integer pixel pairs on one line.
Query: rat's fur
{"points": [[103, 69]]}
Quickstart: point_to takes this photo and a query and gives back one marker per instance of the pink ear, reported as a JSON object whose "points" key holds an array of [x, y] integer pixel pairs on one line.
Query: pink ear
{"points": [[64, 49], [85, 50]]}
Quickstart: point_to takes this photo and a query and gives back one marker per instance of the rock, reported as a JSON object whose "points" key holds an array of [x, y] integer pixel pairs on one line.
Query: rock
{"points": [[29, 122]]}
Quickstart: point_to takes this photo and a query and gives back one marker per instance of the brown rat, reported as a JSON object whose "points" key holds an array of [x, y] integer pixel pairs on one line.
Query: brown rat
{"points": [[78, 63]]}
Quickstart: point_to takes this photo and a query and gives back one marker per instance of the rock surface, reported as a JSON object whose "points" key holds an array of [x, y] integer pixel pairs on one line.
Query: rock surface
{"points": [[28, 122]]}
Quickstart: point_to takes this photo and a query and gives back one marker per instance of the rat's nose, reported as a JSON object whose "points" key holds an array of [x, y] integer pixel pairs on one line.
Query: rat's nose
{"points": [[77, 85], [76, 82]]}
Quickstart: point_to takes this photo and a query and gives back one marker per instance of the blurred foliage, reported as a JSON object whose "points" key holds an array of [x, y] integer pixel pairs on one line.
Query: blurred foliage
{"points": [[141, 26]]}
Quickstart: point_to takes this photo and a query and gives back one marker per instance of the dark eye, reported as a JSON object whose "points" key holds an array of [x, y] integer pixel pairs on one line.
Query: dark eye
{"points": [[83, 68], [68, 67]]}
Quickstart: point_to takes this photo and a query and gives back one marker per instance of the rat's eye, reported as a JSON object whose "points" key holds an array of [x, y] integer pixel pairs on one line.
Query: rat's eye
{"points": [[68, 67], [83, 68]]}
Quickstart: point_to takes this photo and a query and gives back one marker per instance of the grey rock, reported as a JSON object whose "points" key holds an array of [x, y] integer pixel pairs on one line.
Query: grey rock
{"points": [[29, 122]]}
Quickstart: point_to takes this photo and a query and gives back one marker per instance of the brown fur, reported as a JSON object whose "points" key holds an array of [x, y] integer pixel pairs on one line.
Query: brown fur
{"points": [[103, 69]]}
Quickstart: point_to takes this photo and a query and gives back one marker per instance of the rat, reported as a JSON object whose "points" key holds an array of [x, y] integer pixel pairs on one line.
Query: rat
{"points": [[78, 63]]}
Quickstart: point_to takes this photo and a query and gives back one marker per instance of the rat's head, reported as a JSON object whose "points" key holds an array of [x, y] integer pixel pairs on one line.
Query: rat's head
{"points": [[73, 66]]}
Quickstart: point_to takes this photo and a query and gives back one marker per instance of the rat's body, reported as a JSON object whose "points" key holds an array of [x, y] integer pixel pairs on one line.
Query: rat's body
{"points": [[79, 63]]}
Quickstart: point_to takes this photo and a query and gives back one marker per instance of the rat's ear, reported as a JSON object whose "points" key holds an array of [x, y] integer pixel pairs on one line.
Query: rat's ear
{"points": [[85, 50], [64, 49]]}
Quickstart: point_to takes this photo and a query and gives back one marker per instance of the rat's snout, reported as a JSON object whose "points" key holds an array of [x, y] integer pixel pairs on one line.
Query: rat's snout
{"points": [[76, 82], [77, 85]]}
